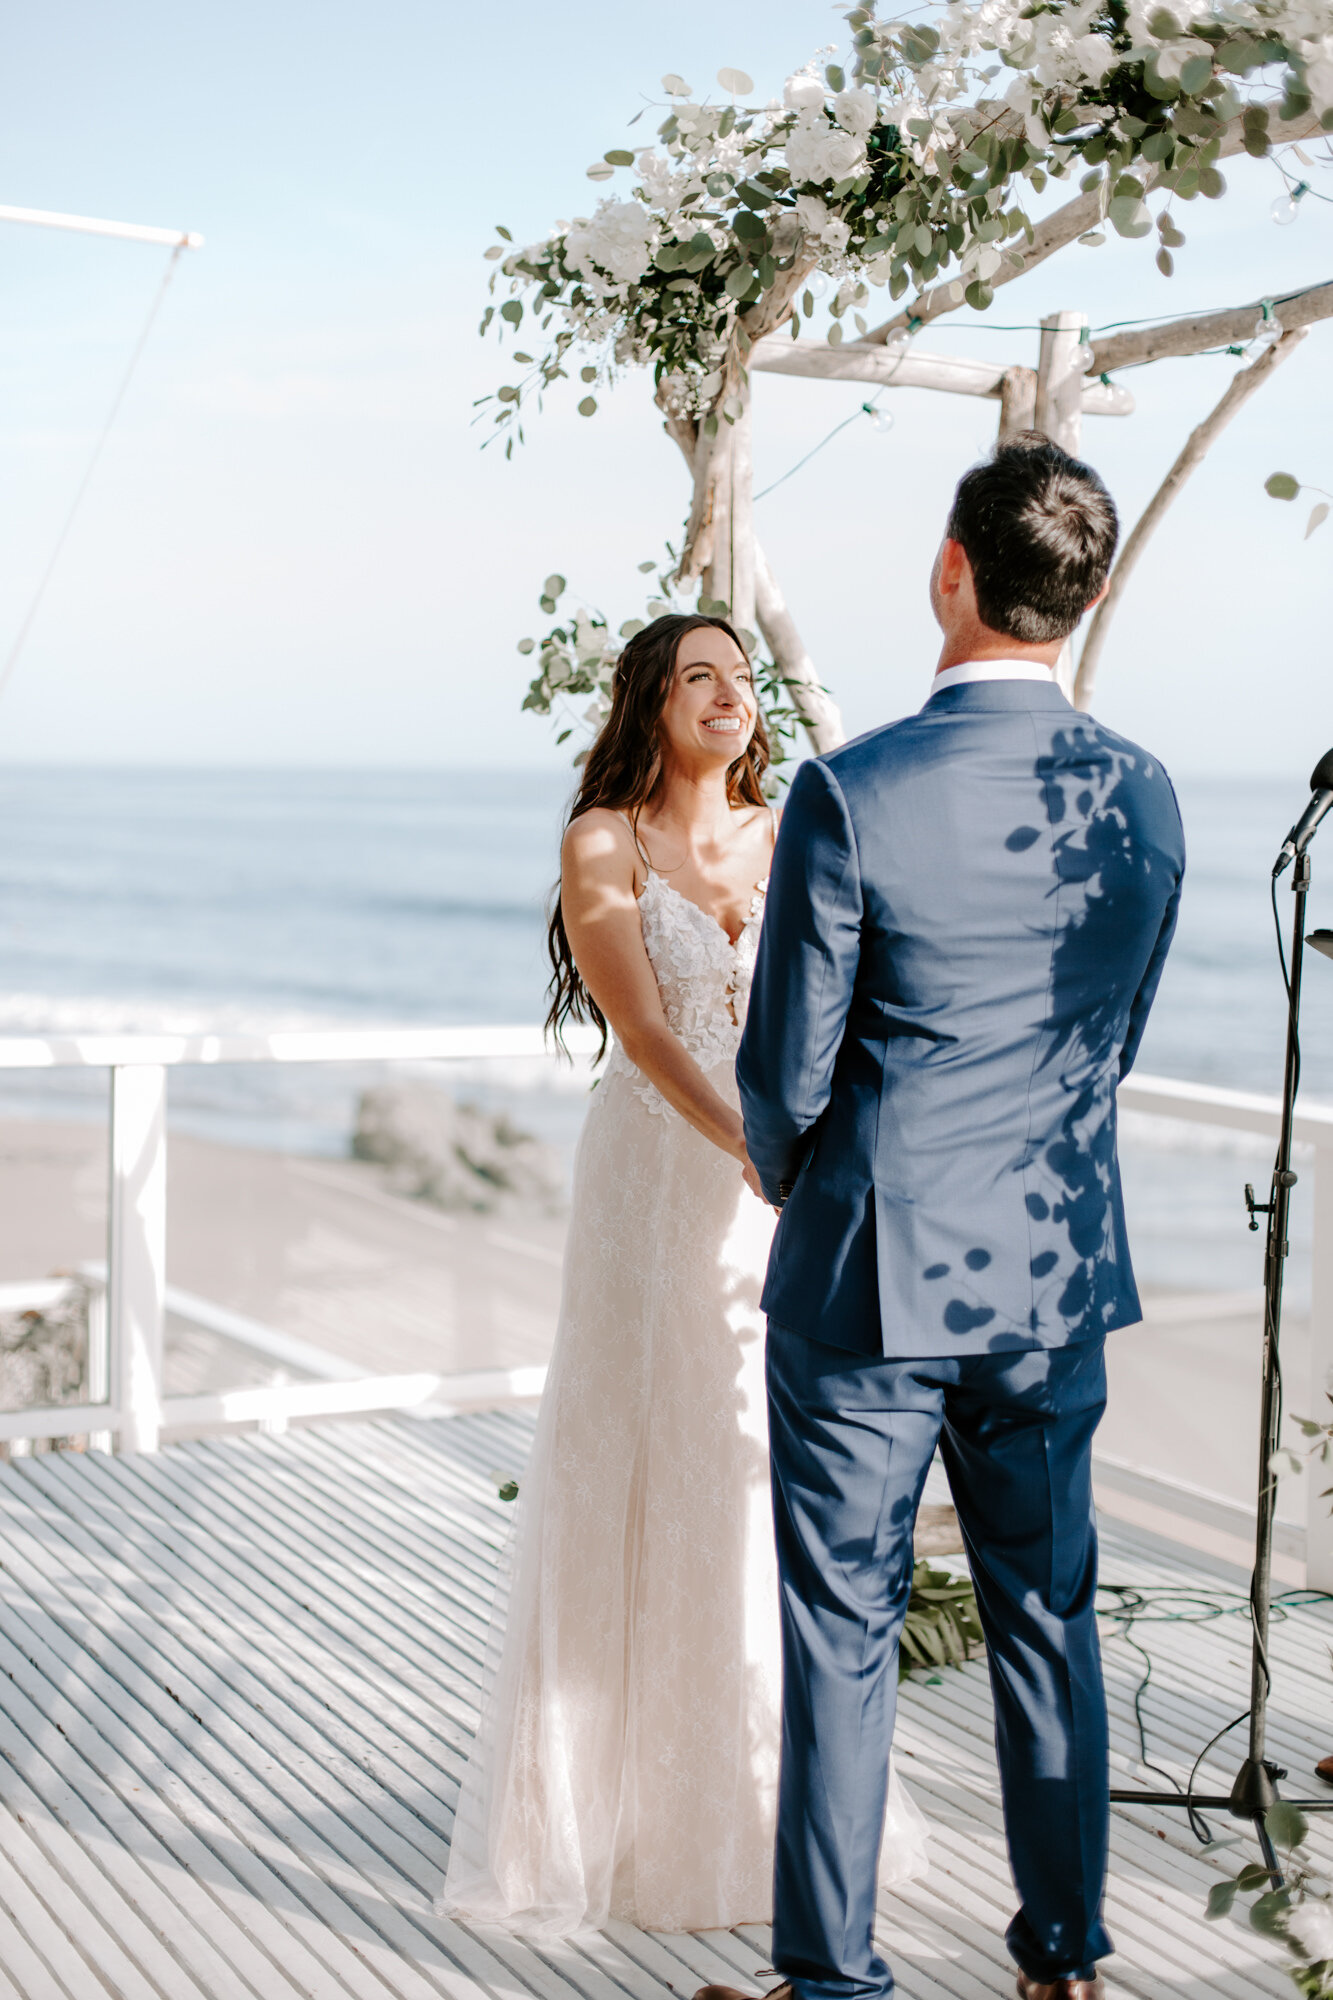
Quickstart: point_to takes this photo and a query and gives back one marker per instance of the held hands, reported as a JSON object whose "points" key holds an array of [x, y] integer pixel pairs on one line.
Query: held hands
{"points": [[751, 1179]]}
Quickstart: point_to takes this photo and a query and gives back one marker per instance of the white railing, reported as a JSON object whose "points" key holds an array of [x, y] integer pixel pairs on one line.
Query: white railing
{"points": [[126, 1340]]}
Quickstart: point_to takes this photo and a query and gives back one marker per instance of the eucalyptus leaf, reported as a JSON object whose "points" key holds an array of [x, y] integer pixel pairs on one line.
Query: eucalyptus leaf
{"points": [[554, 586], [1281, 486], [526, 645], [735, 82], [1287, 1825], [588, 407], [1318, 515], [618, 157], [1221, 1897], [599, 171]]}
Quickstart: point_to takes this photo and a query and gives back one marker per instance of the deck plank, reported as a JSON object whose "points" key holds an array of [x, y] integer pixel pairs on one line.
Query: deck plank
{"points": [[239, 1679]]}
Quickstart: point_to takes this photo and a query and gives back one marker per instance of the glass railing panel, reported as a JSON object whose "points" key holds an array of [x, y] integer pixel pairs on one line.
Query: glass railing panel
{"points": [[1185, 1385], [330, 1221], [54, 1161]]}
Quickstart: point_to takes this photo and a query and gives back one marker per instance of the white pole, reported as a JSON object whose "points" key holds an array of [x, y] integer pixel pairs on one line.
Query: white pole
{"points": [[137, 1250], [90, 225]]}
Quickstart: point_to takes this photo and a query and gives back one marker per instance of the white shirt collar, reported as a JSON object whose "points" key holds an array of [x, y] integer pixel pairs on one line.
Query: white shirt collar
{"points": [[993, 670]]}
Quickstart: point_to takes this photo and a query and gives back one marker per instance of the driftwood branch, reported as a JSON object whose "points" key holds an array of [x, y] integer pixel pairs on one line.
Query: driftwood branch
{"points": [[713, 468], [1078, 216], [1243, 385], [1216, 329], [818, 712], [955, 374]]}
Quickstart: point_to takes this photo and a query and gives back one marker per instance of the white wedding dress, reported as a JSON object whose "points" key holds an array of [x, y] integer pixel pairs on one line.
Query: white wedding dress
{"points": [[627, 1757]]}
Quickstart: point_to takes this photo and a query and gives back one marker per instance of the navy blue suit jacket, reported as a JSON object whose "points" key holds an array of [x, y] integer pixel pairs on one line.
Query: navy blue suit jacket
{"points": [[967, 919]]}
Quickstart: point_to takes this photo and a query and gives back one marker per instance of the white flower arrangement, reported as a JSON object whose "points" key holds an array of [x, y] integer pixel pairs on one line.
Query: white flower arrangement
{"points": [[902, 167]]}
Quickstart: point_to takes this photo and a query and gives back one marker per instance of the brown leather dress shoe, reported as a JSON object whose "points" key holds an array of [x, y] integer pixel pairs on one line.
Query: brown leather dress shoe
{"points": [[782, 1992], [1061, 1989]]}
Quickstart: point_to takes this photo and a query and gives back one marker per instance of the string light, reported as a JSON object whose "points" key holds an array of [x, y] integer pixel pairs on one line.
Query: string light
{"points": [[1267, 328], [1288, 206]]}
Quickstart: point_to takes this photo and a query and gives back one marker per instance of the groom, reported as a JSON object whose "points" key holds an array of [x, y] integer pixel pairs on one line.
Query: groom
{"points": [[968, 918]]}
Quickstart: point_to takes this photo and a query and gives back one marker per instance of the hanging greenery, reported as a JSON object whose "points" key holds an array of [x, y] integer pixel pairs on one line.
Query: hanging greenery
{"points": [[900, 165], [577, 658]]}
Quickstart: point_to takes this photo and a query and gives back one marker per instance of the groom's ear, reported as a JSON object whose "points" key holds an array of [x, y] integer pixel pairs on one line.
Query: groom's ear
{"points": [[953, 565]]}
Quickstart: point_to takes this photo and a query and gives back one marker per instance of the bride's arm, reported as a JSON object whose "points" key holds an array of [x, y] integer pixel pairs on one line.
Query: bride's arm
{"points": [[602, 923]]}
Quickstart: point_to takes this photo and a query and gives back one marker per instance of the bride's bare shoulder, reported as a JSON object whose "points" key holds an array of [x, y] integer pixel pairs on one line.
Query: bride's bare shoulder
{"points": [[599, 843]]}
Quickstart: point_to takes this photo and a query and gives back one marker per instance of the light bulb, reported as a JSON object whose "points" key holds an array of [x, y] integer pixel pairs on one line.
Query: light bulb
{"points": [[898, 342], [1288, 206], [1267, 329], [1085, 356], [817, 285], [880, 420]]}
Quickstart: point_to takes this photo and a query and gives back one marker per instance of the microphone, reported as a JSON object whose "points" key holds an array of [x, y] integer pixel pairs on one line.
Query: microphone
{"points": [[1296, 842]]}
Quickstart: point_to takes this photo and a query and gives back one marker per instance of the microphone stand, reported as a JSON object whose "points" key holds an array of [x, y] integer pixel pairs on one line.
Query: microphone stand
{"points": [[1255, 1789]]}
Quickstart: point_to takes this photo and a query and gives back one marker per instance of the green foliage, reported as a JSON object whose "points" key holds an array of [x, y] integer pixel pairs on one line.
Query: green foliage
{"points": [[942, 1626], [1298, 1915], [1284, 486], [578, 655], [901, 166]]}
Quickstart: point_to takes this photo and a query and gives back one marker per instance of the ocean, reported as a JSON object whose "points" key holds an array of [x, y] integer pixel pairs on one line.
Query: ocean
{"points": [[257, 899]]}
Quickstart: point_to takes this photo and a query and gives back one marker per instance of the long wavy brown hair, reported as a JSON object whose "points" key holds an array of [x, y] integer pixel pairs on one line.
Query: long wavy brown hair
{"points": [[623, 770]]}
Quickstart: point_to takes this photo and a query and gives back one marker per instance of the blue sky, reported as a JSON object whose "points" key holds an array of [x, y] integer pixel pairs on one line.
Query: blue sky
{"points": [[294, 552]]}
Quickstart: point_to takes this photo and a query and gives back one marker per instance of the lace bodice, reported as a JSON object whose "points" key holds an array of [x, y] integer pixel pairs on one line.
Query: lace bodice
{"points": [[704, 978]]}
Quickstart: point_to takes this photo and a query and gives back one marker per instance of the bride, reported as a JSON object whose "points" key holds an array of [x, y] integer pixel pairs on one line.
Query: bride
{"points": [[626, 1761]]}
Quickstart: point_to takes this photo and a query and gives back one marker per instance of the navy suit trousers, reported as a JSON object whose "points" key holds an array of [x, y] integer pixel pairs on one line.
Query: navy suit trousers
{"points": [[852, 1439]]}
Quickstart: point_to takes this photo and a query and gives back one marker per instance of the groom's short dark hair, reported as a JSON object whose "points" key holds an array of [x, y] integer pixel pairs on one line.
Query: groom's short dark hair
{"points": [[1039, 529]]}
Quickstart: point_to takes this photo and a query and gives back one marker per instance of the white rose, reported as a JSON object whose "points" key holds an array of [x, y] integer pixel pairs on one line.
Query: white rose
{"points": [[819, 221], [856, 111], [818, 151], [1094, 56], [803, 93], [1319, 70], [618, 240], [1310, 1927]]}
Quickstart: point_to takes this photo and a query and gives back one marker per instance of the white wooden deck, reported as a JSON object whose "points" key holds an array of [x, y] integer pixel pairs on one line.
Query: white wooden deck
{"points": [[237, 1681]]}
